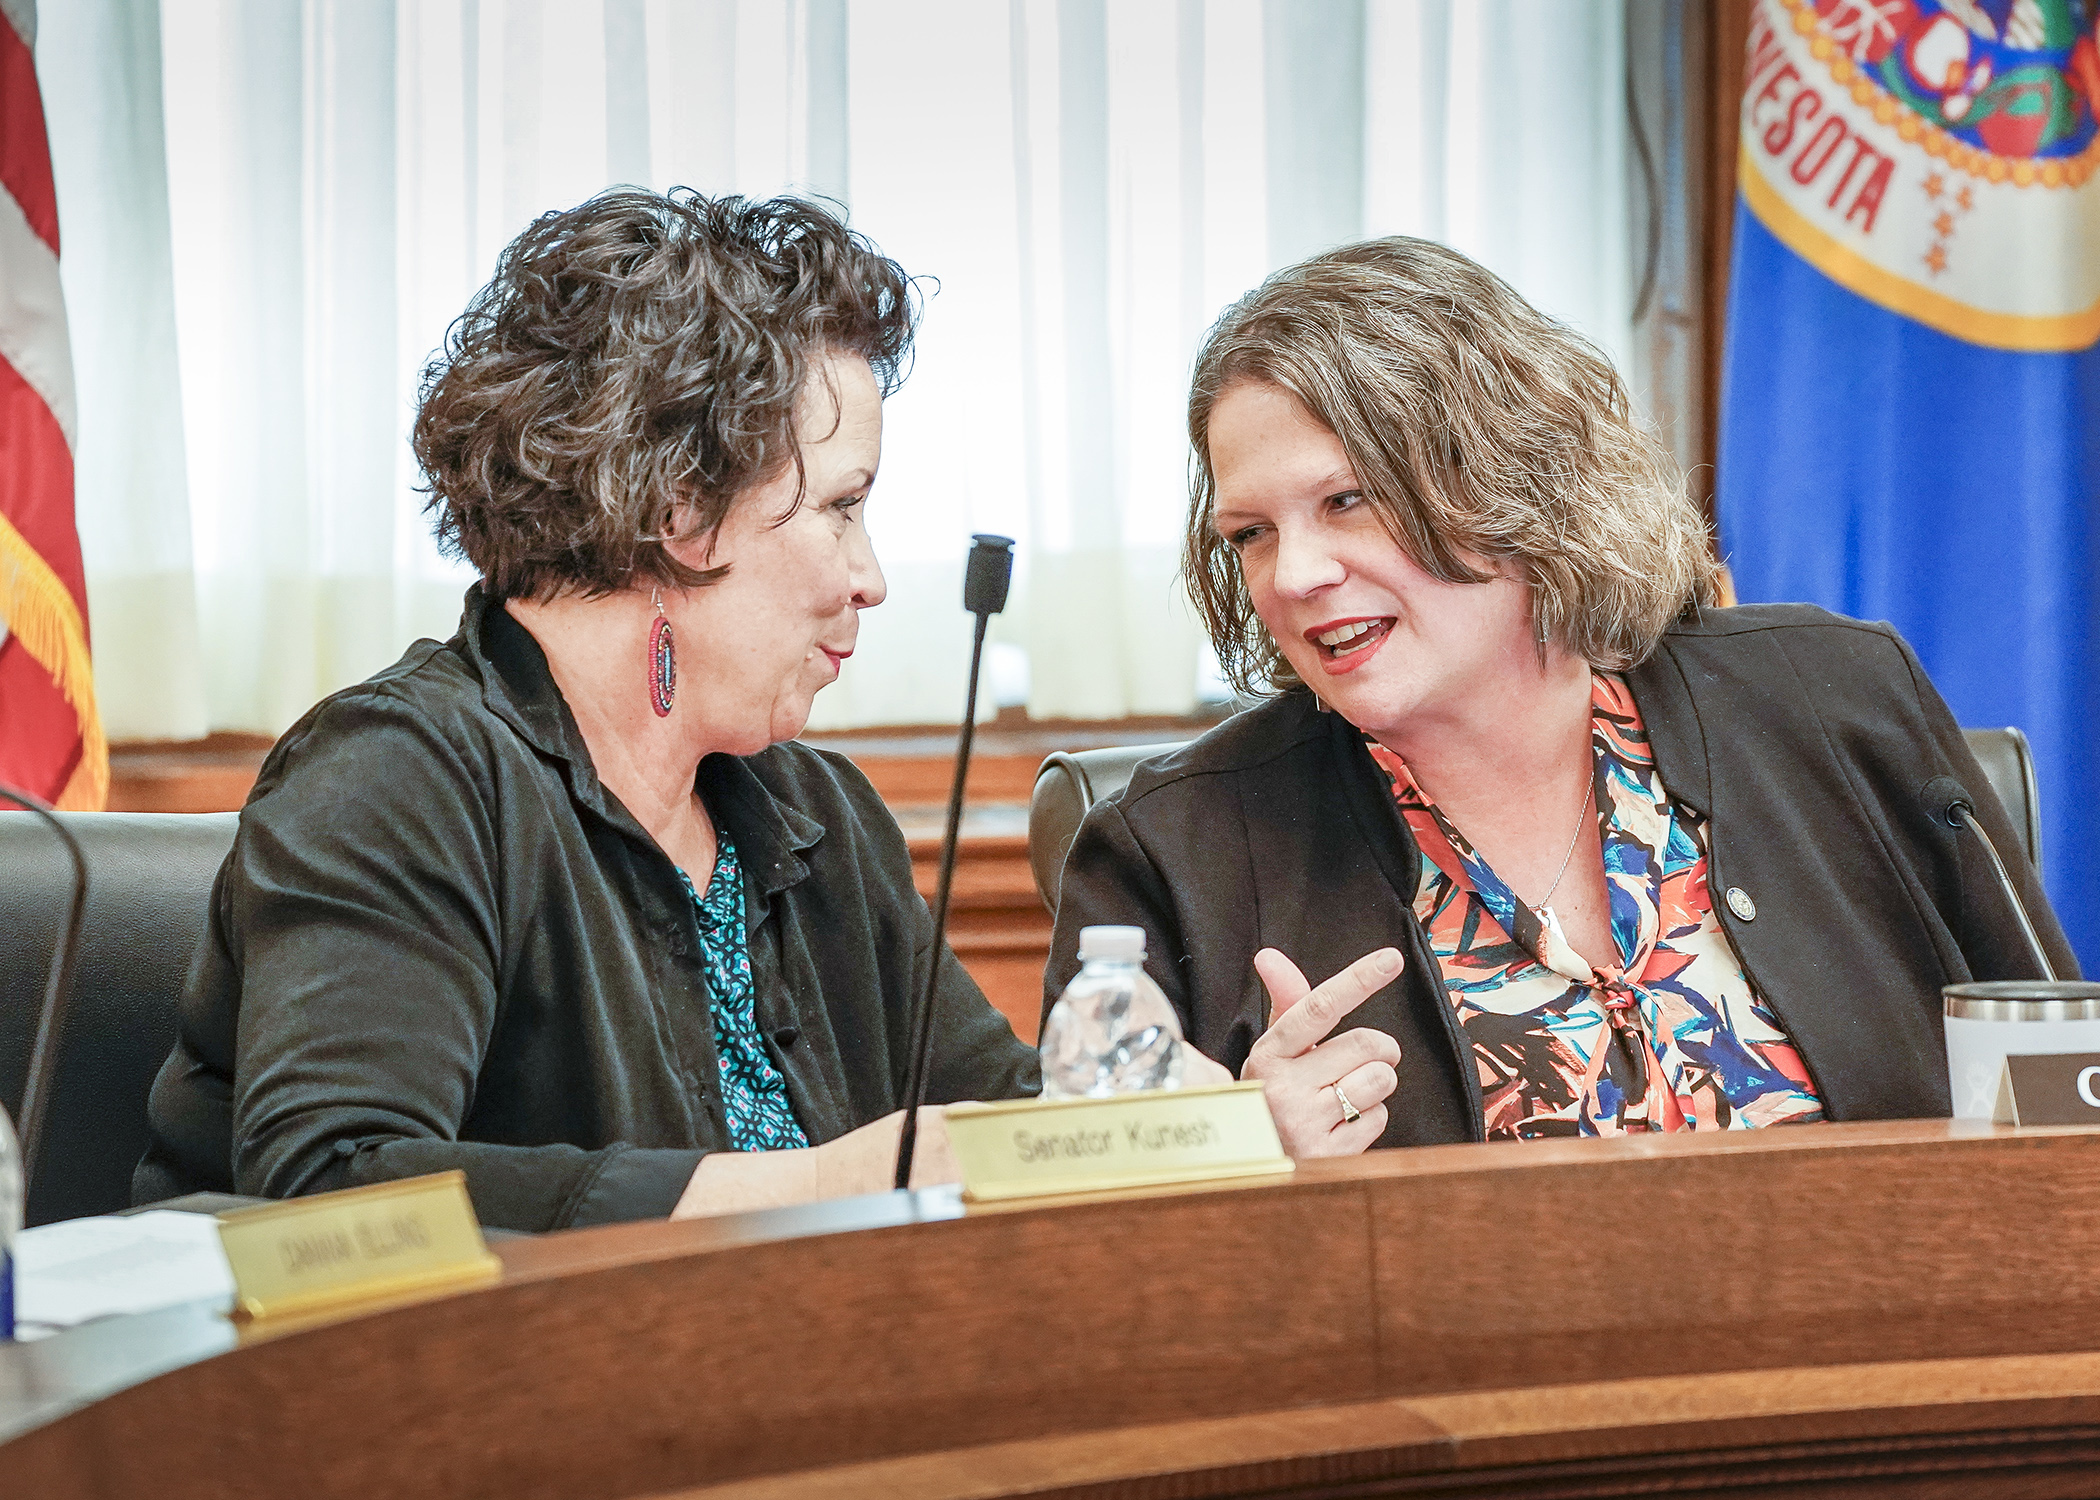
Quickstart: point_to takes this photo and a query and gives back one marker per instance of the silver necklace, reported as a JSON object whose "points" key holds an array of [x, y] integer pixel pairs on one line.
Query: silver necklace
{"points": [[1588, 791]]}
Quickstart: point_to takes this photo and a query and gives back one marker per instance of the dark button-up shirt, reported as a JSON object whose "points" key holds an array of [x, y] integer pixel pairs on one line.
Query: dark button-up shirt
{"points": [[439, 941]]}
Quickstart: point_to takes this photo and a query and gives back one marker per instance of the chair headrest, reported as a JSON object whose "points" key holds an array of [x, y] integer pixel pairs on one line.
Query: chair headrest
{"points": [[1066, 785]]}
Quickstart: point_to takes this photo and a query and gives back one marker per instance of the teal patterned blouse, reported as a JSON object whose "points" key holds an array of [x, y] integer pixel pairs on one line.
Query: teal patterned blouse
{"points": [[754, 1095]]}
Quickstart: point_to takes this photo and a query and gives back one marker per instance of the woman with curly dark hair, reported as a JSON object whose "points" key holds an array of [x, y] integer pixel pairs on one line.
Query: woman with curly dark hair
{"points": [[556, 902]]}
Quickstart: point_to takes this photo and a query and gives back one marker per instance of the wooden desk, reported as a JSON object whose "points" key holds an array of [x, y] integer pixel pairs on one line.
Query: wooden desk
{"points": [[1857, 1310]]}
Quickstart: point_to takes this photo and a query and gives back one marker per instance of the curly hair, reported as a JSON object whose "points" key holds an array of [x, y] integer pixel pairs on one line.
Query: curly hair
{"points": [[634, 366], [1476, 425]]}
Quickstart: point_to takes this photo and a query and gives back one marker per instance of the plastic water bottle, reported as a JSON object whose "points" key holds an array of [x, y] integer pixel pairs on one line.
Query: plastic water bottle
{"points": [[1111, 1031], [10, 1221]]}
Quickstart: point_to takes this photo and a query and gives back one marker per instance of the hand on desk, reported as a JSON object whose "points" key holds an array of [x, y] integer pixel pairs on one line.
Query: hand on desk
{"points": [[860, 1161], [1300, 1070], [865, 1160], [1297, 1063]]}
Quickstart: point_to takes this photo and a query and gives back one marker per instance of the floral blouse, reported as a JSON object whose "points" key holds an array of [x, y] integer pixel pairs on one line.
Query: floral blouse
{"points": [[754, 1094], [1672, 1037]]}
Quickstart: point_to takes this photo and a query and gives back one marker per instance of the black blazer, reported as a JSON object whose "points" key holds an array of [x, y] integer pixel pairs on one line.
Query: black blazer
{"points": [[1805, 740]]}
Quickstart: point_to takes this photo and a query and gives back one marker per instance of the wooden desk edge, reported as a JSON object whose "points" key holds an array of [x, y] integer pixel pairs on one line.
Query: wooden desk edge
{"points": [[1471, 1429], [629, 1244], [1873, 1406], [98, 1363]]}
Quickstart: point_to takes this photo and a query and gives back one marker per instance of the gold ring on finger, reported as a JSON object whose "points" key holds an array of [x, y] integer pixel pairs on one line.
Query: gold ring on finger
{"points": [[1350, 1113]]}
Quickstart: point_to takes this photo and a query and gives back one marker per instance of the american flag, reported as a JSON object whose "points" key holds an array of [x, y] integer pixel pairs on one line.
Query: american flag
{"points": [[51, 740]]}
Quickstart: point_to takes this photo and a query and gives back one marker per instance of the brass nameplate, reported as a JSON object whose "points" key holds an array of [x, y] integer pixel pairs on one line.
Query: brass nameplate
{"points": [[368, 1244], [1028, 1147], [2050, 1089]]}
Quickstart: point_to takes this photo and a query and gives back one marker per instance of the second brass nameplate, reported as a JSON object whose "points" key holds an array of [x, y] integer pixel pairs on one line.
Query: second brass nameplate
{"points": [[393, 1239], [1030, 1147]]}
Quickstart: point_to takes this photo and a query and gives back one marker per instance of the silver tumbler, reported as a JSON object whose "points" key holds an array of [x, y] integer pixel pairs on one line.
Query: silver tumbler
{"points": [[1987, 1023]]}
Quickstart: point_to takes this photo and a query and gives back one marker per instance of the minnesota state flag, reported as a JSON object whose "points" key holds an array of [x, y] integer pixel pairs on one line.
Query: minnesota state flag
{"points": [[1910, 426]]}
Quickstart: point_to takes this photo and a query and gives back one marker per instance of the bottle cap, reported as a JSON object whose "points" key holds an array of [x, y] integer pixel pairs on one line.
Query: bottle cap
{"points": [[1112, 943]]}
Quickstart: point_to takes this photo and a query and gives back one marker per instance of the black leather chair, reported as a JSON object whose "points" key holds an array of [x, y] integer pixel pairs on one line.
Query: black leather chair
{"points": [[2008, 763], [1068, 783], [149, 890]]}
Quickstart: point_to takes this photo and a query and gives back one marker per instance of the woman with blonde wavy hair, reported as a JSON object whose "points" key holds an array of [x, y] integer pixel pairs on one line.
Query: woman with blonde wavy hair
{"points": [[1583, 852]]}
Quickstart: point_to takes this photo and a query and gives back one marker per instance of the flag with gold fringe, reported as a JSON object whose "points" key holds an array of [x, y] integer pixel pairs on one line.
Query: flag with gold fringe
{"points": [[1910, 424], [51, 742]]}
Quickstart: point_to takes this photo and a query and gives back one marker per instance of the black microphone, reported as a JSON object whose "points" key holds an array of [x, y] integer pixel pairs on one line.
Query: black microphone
{"points": [[58, 993], [1950, 803], [985, 579]]}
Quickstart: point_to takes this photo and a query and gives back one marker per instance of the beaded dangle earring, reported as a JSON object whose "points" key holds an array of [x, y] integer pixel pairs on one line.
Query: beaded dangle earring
{"points": [[663, 660]]}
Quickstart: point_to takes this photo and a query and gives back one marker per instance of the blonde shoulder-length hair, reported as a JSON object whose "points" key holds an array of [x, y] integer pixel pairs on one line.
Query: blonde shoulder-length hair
{"points": [[1476, 426]]}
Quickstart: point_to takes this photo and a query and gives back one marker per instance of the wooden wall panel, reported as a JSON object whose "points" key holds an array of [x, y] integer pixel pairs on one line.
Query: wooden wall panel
{"points": [[997, 924]]}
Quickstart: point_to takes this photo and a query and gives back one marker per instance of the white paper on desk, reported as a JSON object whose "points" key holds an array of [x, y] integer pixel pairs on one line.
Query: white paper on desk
{"points": [[82, 1269]]}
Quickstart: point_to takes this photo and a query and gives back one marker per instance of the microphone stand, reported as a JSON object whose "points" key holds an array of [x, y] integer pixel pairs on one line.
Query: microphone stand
{"points": [[58, 993], [1962, 815], [985, 580], [1949, 802]]}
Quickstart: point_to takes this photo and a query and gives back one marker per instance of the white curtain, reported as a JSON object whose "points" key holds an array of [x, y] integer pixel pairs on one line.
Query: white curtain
{"points": [[1086, 183], [99, 71]]}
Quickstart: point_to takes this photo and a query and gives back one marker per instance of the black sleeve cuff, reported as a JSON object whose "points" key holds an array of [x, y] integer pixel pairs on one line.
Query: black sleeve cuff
{"points": [[637, 1183]]}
